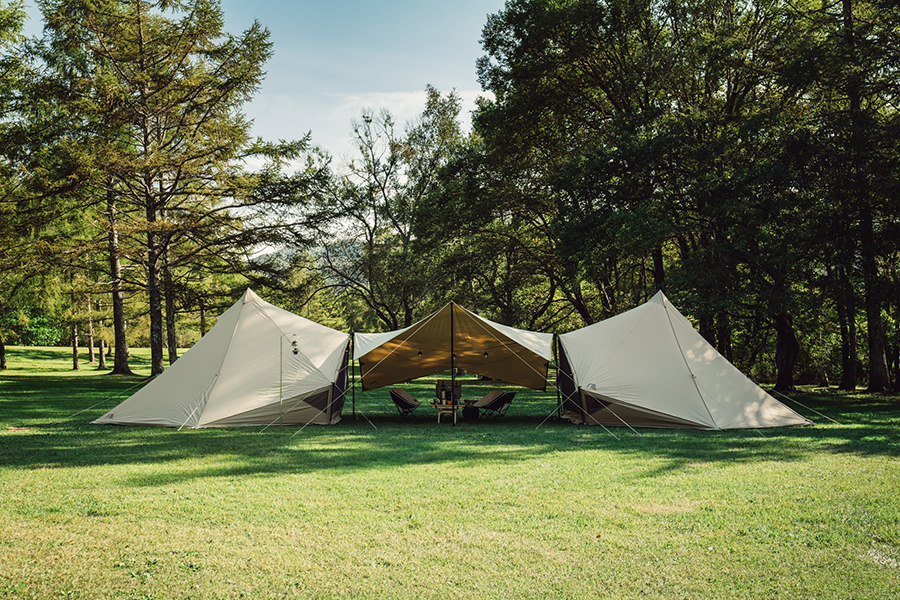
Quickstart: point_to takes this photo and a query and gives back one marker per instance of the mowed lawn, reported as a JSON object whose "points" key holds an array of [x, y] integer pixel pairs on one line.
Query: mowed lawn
{"points": [[382, 508]]}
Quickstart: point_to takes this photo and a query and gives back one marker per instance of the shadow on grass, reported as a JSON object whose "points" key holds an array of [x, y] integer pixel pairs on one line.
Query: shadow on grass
{"points": [[59, 360], [33, 438]]}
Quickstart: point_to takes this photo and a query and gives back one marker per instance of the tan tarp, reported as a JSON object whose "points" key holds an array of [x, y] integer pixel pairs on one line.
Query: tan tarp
{"points": [[259, 365], [480, 346], [649, 367]]}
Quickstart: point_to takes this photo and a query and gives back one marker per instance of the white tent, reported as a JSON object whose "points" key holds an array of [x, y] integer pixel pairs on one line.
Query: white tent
{"points": [[649, 367], [259, 365], [454, 337]]}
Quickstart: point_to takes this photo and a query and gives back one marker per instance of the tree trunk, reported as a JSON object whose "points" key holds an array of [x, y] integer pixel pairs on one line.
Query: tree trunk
{"points": [[659, 273], [202, 303], [723, 336], [705, 322], [153, 288], [171, 338], [2, 353], [101, 365], [847, 321], [90, 340], [120, 362], [75, 366], [893, 357], [787, 348], [896, 355], [879, 379]]}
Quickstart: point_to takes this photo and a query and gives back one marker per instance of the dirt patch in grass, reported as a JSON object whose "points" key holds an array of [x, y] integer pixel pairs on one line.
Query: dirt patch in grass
{"points": [[885, 557]]}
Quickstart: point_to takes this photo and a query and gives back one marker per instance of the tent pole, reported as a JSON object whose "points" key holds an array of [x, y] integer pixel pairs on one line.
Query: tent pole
{"points": [[558, 396], [280, 381], [353, 377]]}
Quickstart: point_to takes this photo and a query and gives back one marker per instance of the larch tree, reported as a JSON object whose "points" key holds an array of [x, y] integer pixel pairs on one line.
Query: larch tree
{"points": [[169, 83]]}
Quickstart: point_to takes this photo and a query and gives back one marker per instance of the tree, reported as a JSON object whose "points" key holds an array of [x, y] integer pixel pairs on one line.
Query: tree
{"points": [[368, 219], [11, 70], [163, 84]]}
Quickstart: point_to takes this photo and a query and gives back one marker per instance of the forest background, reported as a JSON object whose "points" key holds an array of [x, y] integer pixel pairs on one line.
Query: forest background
{"points": [[744, 157]]}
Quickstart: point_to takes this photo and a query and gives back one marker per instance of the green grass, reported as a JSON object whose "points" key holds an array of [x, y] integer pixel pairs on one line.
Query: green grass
{"points": [[382, 508]]}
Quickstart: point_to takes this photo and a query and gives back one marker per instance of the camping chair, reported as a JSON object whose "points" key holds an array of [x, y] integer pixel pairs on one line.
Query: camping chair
{"points": [[495, 403], [404, 401]]}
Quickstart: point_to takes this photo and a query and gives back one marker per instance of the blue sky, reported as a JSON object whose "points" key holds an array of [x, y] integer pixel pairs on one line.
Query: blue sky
{"points": [[335, 57]]}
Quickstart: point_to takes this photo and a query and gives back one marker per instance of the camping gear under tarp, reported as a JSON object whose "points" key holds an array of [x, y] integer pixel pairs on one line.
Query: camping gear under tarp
{"points": [[454, 337], [649, 367], [259, 365]]}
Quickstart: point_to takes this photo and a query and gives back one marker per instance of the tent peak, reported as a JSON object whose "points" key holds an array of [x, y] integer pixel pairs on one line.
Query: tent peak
{"points": [[249, 296], [659, 297]]}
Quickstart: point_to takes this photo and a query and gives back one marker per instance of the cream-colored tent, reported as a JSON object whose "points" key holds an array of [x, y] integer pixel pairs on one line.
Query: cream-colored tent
{"points": [[259, 365], [649, 367], [454, 337]]}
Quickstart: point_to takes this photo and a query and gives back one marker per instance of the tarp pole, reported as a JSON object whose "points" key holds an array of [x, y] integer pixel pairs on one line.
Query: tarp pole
{"points": [[452, 366]]}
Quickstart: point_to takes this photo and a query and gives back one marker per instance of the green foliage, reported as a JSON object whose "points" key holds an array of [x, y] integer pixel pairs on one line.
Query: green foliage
{"points": [[742, 156], [364, 225], [30, 326], [698, 147]]}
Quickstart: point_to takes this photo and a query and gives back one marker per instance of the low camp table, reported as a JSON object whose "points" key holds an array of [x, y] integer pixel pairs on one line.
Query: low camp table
{"points": [[446, 408]]}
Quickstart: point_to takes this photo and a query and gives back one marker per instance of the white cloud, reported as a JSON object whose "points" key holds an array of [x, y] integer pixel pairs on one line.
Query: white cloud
{"points": [[330, 116]]}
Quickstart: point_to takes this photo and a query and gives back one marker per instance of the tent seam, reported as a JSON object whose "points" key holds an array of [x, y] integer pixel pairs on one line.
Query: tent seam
{"points": [[688, 366], [221, 364]]}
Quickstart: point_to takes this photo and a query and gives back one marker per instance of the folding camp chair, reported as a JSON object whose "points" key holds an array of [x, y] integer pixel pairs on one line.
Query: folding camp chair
{"points": [[404, 401], [495, 403]]}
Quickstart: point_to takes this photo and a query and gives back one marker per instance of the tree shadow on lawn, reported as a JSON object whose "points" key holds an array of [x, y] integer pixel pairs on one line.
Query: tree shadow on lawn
{"points": [[39, 431], [25, 400], [870, 429]]}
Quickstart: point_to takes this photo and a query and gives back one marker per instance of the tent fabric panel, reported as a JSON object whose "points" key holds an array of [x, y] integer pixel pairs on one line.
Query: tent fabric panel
{"points": [[605, 411], [341, 385], [262, 368], [493, 354], [735, 401], [175, 398], [565, 380], [322, 346], [363, 343], [424, 348], [638, 362], [259, 369], [539, 343], [651, 359], [418, 350], [591, 347], [309, 409]]}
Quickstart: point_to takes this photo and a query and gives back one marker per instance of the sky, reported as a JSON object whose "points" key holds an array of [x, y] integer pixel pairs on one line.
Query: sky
{"points": [[333, 58]]}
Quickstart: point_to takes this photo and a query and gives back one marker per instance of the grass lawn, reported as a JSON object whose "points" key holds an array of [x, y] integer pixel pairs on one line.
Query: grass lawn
{"points": [[381, 508]]}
